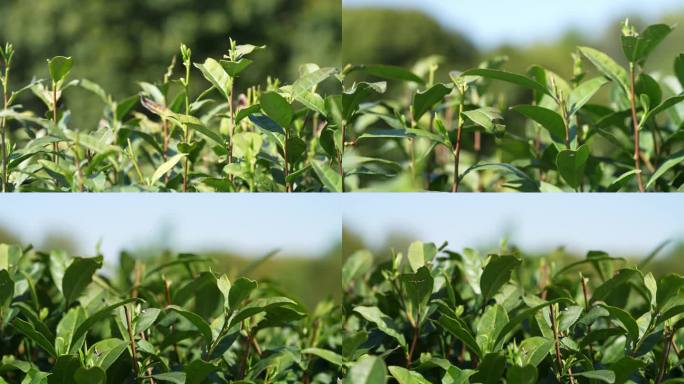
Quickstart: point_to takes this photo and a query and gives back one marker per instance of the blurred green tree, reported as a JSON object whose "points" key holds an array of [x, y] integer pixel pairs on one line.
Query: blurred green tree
{"points": [[117, 43]]}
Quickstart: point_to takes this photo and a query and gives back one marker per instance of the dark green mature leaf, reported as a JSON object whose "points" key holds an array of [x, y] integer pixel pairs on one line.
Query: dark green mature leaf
{"points": [[626, 321], [674, 160], [29, 331], [637, 48], [621, 277], [668, 288], [497, 273], [679, 68], [171, 377], [92, 375], [352, 98], [524, 314], [325, 354], [6, 289], [571, 165], [522, 375], [64, 370], [665, 105], [547, 118], [195, 319], [382, 321], [485, 117], [82, 330], [459, 329], [60, 67], [239, 291], [78, 275], [522, 181], [426, 100], [535, 349], [368, 370], [418, 287], [389, 72], [277, 108], [508, 77], [105, 352]]}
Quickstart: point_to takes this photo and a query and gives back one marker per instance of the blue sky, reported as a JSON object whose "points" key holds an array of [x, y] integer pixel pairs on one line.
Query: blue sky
{"points": [[254, 223], [624, 223], [492, 22]]}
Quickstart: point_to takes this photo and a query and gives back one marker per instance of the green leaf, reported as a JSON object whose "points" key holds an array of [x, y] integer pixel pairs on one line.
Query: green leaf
{"points": [[9, 256], [637, 48], [455, 375], [571, 165], [522, 375], [105, 352], [524, 314], [418, 287], [665, 105], [668, 289], [60, 67], [6, 289], [620, 278], [535, 349], [419, 254], [146, 319], [459, 329], [545, 117], [78, 275], [491, 323], [261, 305], [352, 98], [390, 73], [234, 68], [92, 375], [509, 77], [309, 81], [426, 100], [330, 178], [66, 328], [166, 167], [325, 354], [368, 370], [64, 370], [484, 117], [626, 321], [216, 75], [584, 92], [607, 66], [404, 376], [604, 375], [29, 331], [240, 291], [100, 315], [382, 321], [672, 161], [679, 68], [171, 377], [497, 273], [195, 319], [519, 179], [277, 108]]}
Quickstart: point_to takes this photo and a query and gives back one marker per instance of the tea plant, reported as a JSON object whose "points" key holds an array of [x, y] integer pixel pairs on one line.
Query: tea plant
{"points": [[63, 320], [270, 137], [619, 130], [432, 315]]}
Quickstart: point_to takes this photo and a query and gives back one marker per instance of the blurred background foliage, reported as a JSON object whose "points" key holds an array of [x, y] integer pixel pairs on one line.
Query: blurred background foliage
{"points": [[668, 260], [116, 44], [295, 274], [403, 37]]}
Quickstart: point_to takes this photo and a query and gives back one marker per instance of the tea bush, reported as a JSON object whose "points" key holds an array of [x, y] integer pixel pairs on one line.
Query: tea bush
{"points": [[619, 130], [432, 315], [271, 137], [64, 320]]}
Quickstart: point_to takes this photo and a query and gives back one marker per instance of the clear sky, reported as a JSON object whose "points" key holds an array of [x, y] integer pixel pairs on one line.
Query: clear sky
{"points": [[251, 223], [492, 22], [630, 224]]}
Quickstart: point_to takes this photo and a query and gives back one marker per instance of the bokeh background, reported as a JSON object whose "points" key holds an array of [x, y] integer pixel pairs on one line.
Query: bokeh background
{"points": [[563, 226], [463, 33], [116, 44], [234, 230]]}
